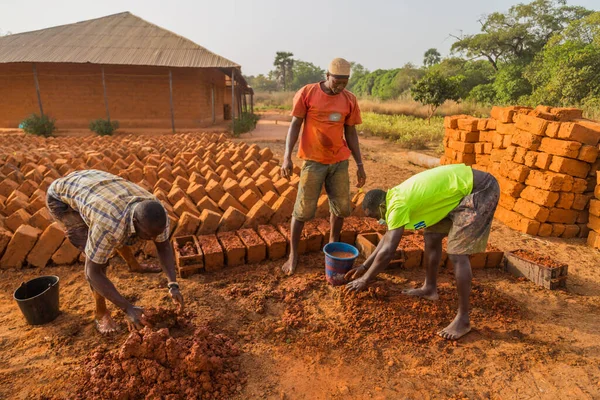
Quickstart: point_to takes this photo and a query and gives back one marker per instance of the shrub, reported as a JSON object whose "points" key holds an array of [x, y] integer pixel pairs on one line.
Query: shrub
{"points": [[246, 123], [36, 125], [104, 127]]}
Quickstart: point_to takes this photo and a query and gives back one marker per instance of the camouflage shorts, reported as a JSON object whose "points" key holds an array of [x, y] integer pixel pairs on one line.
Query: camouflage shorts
{"points": [[468, 225]]}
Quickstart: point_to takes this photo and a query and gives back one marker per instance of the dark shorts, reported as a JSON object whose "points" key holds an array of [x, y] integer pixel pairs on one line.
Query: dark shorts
{"points": [[75, 227], [337, 185], [468, 225]]}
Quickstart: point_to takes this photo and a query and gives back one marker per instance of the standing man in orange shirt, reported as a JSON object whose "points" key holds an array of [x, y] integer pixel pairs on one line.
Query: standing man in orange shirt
{"points": [[330, 114]]}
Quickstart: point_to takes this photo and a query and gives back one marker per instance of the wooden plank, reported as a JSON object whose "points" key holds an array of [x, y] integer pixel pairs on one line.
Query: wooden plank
{"points": [[105, 95], [37, 89], [171, 100]]}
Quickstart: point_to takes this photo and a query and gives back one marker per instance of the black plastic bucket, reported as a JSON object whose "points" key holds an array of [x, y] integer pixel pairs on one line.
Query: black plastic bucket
{"points": [[38, 299]]}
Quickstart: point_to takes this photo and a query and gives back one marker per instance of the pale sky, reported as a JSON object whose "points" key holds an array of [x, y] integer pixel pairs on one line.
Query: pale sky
{"points": [[376, 33]]}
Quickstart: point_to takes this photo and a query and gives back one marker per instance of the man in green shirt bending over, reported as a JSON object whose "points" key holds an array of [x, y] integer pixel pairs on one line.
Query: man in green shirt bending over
{"points": [[452, 200]]}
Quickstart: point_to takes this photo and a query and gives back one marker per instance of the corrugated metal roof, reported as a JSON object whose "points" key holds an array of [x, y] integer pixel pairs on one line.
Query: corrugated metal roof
{"points": [[123, 39]]}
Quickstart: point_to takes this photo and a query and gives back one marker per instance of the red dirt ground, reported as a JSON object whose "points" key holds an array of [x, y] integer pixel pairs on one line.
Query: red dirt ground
{"points": [[299, 338]]}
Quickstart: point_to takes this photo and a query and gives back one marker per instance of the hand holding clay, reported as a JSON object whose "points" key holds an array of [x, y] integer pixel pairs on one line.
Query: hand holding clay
{"points": [[355, 273], [177, 298], [135, 318]]}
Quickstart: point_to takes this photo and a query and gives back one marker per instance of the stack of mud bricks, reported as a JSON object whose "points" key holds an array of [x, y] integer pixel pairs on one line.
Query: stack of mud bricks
{"points": [[545, 160], [469, 140], [207, 183], [594, 218]]}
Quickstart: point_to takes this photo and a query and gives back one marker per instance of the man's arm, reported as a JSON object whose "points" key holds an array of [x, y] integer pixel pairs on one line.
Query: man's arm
{"points": [[167, 262], [384, 254], [290, 142], [352, 140]]}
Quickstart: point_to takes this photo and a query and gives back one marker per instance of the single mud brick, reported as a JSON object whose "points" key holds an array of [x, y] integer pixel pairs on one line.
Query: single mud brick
{"points": [[514, 171], [552, 129], [588, 154], [517, 222], [214, 190], [530, 158], [220, 169], [237, 167], [482, 124], [19, 246], [235, 251], [494, 257], [478, 260], [208, 204], [274, 172], [212, 176], [249, 198], [580, 132], [175, 195], [16, 219], [462, 147], [180, 171], [545, 180], [281, 185], [531, 210], [507, 201], [184, 205], [467, 159], [545, 230], [228, 201], [526, 140], [468, 124], [256, 249], [196, 192], [27, 188], [276, 243], [265, 185], [214, 259], [543, 161], [322, 207], [542, 197], [579, 185], [531, 124], [283, 209], [595, 207], [594, 223], [451, 122], [259, 214], [232, 187], [348, 232], [313, 237], [181, 183], [188, 224], [284, 229], [209, 222], [565, 200], [566, 114], [163, 185], [505, 130], [507, 140], [510, 187], [45, 184], [503, 114], [226, 175], [270, 198], [366, 243], [265, 155], [563, 148], [17, 203], [569, 166], [249, 184], [165, 173], [290, 193], [196, 178], [478, 148], [559, 215], [16, 194], [68, 254], [571, 231], [232, 220], [583, 217], [5, 236], [593, 240], [41, 219], [251, 167], [47, 244]]}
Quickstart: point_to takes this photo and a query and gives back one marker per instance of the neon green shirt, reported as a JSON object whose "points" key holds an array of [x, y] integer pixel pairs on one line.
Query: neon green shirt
{"points": [[427, 197]]}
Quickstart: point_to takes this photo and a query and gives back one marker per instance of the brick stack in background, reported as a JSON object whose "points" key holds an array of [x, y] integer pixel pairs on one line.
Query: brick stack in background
{"points": [[468, 140], [545, 160], [594, 221]]}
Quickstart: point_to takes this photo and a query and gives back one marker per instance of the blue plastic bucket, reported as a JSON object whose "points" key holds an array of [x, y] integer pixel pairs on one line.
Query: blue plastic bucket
{"points": [[337, 267]]}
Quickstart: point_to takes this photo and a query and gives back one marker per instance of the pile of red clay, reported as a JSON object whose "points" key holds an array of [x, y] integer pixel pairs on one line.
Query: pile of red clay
{"points": [[188, 249], [153, 364], [544, 261]]}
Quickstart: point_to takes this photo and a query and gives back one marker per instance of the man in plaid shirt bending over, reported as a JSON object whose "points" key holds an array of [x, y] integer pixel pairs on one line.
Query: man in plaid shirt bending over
{"points": [[103, 213]]}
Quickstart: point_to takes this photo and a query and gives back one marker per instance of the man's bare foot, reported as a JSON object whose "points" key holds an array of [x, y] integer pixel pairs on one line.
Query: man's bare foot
{"points": [[457, 329], [290, 266], [145, 268], [106, 324], [426, 293]]}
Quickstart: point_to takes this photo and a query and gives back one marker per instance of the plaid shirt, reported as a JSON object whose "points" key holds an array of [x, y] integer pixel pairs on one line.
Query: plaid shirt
{"points": [[105, 203]]}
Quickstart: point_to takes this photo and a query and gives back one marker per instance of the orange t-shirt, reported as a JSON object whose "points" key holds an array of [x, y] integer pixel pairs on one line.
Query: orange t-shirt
{"points": [[325, 115]]}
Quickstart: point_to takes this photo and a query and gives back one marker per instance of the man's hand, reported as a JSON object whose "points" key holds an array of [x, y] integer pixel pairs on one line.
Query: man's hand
{"points": [[177, 298], [361, 176], [358, 285], [355, 273], [287, 168], [135, 318]]}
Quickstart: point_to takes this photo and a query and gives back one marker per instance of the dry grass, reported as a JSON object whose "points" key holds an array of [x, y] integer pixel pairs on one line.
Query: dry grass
{"points": [[410, 132]]}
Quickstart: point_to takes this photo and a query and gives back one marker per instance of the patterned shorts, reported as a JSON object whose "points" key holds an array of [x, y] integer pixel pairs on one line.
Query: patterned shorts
{"points": [[75, 226], [468, 225]]}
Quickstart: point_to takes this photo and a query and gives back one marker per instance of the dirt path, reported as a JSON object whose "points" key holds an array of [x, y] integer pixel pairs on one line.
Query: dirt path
{"points": [[302, 339]]}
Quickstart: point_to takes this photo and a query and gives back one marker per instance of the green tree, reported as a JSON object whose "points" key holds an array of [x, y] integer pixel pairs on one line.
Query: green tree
{"points": [[510, 85], [431, 57], [567, 71], [304, 73], [262, 83], [520, 33], [433, 90], [469, 74], [284, 64], [357, 73]]}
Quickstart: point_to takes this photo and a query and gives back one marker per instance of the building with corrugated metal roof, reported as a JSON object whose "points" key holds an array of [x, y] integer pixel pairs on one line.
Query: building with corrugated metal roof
{"points": [[119, 67]]}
